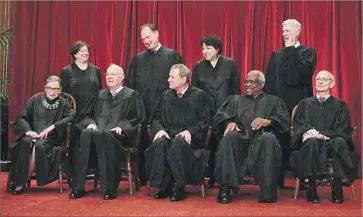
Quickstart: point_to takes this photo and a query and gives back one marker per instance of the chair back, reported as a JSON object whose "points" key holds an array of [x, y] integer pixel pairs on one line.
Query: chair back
{"points": [[292, 126]]}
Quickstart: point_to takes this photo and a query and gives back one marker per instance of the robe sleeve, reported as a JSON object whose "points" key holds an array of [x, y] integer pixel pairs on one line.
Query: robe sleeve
{"points": [[195, 76], [24, 120], [99, 76], [300, 124], [298, 67], [271, 75], [225, 115], [68, 115], [342, 126], [156, 118], [87, 114], [204, 119], [279, 118], [136, 117], [236, 82], [65, 77], [132, 74]]}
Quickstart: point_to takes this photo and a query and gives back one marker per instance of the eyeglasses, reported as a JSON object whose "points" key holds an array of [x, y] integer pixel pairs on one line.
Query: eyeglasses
{"points": [[55, 89], [111, 74], [252, 82], [323, 79]]}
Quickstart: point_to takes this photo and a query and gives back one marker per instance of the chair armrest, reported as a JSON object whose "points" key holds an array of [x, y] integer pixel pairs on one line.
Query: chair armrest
{"points": [[207, 138], [68, 135], [150, 132]]}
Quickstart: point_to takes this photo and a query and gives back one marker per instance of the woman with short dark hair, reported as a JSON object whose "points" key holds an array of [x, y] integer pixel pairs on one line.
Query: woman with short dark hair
{"points": [[219, 77]]}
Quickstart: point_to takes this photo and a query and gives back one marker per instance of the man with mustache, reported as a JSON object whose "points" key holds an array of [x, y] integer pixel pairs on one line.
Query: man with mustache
{"points": [[148, 74], [250, 126], [109, 122], [289, 75]]}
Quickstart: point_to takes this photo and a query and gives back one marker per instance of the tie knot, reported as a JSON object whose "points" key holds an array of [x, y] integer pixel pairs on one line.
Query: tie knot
{"points": [[154, 51], [180, 95], [321, 99]]}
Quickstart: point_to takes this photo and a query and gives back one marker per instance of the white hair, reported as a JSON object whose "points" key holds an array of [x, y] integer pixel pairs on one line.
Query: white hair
{"points": [[116, 68], [292, 22], [261, 76]]}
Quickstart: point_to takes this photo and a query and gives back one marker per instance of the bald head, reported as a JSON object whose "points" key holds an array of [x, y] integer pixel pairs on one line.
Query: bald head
{"points": [[324, 81], [114, 76]]}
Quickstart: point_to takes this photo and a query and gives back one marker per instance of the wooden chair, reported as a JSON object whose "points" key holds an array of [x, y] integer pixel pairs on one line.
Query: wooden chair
{"points": [[131, 168], [203, 184], [64, 170], [326, 178]]}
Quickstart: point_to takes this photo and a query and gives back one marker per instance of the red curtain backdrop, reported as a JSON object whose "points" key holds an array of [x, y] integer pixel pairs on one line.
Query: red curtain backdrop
{"points": [[251, 30]]}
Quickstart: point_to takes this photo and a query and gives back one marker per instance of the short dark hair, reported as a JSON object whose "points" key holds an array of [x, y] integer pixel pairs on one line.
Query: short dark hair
{"points": [[212, 40], [76, 46], [151, 26]]}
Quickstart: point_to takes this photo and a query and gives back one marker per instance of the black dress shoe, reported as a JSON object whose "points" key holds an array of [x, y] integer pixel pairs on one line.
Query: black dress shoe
{"points": [[337, 197], [162, 194], [19, 190], [224, 195], [177, 195], [110, 195], [75, 194], [312, 196], [268, 201]]}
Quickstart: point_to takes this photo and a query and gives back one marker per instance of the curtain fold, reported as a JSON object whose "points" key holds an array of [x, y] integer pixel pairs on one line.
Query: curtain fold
{"points": [[251, 30]]}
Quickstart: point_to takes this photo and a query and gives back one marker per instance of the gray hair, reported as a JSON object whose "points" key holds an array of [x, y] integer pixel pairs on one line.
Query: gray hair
{"points": [[183, 71], [261, 76], [116, 68], [54, 78], [292, 22]]}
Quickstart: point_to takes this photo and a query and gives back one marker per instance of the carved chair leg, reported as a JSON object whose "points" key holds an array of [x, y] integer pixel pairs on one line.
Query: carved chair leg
{"points": [[129, 174], [148, 188], [60, 179], [352, 187], [203, 189], [297, 188]]}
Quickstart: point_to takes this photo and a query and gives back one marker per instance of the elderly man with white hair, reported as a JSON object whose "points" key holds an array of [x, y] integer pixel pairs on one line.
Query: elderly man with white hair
{"points": [[322, 129], [289, 75], [109, 122], [250, 126]]}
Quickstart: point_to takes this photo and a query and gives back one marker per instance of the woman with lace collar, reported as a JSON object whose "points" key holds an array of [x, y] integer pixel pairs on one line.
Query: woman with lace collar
{"points": [[39, 130]]}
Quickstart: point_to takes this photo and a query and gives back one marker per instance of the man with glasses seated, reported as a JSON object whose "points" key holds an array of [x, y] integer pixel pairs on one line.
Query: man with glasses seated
{"points": [[39, 130], [250, 126], [109, 122], [322, 128]]}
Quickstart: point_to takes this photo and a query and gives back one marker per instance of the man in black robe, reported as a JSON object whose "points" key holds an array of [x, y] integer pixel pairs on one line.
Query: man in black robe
{"points": [[109, 122], [148, 74], [177, 155], [289, 75], [40, 130], [323, 129], [250, 126]]}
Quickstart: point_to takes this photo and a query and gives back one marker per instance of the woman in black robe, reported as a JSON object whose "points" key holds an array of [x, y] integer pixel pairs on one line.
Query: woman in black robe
{"points": [[82, 80], [219, 77], [39, 130]]}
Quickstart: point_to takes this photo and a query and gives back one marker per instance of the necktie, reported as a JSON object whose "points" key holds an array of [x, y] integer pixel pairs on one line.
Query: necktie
{"points": [[180, 95], [321, 99], [154, 52], [113, 94]]}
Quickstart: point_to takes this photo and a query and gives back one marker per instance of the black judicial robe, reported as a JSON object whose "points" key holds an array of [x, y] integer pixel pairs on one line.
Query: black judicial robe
{"points": [[243, 110], [219, 82], [125, 110], [35, 117], [81, 84], [330, 118], [175, 115], [148, 74], [289, 74]]}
